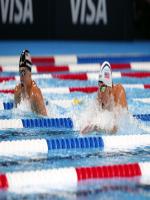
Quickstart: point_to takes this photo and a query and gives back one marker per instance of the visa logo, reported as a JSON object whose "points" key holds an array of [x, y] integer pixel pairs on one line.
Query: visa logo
{"points": [[15, 11], [86, 12]]}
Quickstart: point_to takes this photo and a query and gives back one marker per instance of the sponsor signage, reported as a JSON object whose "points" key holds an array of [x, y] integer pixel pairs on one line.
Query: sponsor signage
{"points": [[94, 19], [66, 19], [25, 19]]}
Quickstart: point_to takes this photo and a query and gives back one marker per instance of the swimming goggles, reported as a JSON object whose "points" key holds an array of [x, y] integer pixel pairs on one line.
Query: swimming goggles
{"points": [[102, 87], [22, 73]]}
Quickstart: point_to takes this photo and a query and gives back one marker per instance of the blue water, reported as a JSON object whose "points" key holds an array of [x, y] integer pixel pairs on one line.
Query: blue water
{"points": [[74, 47], [108, 189]]}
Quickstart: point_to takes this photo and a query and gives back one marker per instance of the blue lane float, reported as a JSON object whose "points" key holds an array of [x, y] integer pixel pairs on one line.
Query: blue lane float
{"points": [[46, 123], [75, 143], [113, 59], [8, 105], [143, 117], [104, 143]]}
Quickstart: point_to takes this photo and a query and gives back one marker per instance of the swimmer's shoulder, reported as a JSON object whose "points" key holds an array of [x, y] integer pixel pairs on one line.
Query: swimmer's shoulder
{"points": [[119, 87], [35, 88]]}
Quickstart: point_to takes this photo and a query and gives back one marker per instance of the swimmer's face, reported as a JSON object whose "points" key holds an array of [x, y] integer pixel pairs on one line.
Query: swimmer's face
{"points": [[104, 92], [25, 75], [102, 86]]}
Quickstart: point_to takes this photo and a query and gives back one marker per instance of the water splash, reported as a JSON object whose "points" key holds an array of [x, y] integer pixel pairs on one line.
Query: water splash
{"points": [[92, 114], [23, 109]]}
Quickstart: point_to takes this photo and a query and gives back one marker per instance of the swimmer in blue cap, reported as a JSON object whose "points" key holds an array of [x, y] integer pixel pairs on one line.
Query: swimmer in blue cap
{"points": [[27, 88], [109, 96]]}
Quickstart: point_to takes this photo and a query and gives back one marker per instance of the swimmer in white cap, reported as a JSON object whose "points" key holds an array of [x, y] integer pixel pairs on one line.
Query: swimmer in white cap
{"points": [[27, 88], [108, 96]]}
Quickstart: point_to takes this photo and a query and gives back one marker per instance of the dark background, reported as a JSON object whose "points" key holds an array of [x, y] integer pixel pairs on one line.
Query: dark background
{"points": [[141, 20], [52, 19]]}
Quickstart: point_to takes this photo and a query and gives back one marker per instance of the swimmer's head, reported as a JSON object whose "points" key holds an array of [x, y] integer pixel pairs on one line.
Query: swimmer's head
{"points": [[105, 74], [25, 60]]}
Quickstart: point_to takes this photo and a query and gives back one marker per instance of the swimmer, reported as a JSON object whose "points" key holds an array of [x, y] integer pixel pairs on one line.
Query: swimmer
{"points": [[109, 97], [27, 88]]}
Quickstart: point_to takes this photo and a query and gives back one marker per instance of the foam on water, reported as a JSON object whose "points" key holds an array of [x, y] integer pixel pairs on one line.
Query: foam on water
{"points": [[55, 111], [23, 109], [92, 114]]}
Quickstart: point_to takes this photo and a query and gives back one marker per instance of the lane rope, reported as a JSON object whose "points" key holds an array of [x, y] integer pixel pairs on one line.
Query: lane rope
{"points": [[65, 103], [68, 178], [74, 59], [67, 90], [83, 76], [59, 123], [137, 66], [50, 122], [101, 143]]}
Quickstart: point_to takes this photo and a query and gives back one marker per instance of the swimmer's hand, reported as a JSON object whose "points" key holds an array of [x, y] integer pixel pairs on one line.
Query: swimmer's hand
{"points": [[89, 128]]}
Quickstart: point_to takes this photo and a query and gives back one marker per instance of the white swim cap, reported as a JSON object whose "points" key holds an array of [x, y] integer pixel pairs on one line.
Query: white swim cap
{"points": [[105, 74]]}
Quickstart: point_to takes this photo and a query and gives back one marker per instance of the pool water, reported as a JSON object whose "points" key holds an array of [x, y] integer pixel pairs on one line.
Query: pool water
{"points": [[124, 189]]}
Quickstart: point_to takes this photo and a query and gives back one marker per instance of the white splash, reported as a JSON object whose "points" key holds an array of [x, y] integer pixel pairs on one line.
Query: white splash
{"points": [[106, 120], [23, 108], [94, 115]]}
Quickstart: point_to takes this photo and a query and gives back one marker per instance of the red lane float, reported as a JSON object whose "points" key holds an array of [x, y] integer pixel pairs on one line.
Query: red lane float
{"points": [[43, 60], [42, 69], [94, 76], [123, 171], [3, 181], [82, 76], [84, 89], [136, 74], [7, 78], [147, 86], [7, 91]]}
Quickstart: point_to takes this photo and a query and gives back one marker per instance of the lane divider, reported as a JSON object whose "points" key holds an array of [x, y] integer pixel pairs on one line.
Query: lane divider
{"points": [[49, 122], [143, 117], [94, 76], [142, 100], [83, 76], [68, 178], [37, 123], [74, 59], [64, 103], [104, 143], [144, 66], [67, 90]]}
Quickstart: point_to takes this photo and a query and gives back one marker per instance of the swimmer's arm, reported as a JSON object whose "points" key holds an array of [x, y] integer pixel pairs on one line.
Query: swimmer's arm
{"points": [[17, 95], [121, 99], [38, 102]]}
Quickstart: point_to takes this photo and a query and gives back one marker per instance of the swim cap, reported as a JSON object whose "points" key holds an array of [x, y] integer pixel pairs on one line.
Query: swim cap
{"points": [[105, 74], [25, 59]]}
